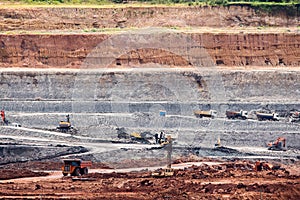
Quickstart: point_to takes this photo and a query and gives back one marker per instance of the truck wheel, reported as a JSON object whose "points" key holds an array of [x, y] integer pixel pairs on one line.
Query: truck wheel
{"points": [[76, 172], [65, 174], [85, 170]]}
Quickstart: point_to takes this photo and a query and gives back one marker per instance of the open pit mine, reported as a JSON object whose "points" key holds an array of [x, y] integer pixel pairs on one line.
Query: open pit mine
{"points": [[166, 102]]}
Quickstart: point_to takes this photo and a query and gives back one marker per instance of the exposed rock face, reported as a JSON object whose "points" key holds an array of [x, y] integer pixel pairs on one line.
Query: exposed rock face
{"points": [[273, 49], [21, 153], [42, 91], [117, 96]]}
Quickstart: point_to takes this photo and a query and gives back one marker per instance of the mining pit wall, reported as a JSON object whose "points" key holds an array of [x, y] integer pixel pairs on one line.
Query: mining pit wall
{"points": [[71, 50], [129, 92], [261, 73]]}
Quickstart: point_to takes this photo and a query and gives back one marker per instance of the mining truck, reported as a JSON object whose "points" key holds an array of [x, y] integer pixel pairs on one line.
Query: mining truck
{"points": [[267, 116], [294, 116], [279, 144], [75, 167], [205, 113], [237, 114]]}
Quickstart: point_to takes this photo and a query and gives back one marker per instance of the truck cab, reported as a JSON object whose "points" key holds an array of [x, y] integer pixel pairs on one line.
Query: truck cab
{"points": [[75, 167], [276, 116], [244, 114]]}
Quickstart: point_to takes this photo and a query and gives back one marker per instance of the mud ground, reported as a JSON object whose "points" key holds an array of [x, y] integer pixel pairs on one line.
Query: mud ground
{"points": [[212, 179]]}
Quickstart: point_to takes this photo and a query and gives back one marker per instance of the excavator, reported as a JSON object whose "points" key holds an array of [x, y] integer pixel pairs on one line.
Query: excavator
{"points": [[65, 126], [279, 144]]}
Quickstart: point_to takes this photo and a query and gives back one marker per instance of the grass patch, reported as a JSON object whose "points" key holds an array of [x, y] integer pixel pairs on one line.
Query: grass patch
{"points": [[145, 3]]}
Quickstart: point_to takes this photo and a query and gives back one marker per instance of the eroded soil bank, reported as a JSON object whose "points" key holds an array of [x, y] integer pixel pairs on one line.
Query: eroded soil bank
{"points": [[72, 50], [74, 18]]}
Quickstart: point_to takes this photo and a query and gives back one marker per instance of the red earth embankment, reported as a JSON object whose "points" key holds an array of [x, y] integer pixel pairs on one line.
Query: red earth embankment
{"points": [[70, 50]]}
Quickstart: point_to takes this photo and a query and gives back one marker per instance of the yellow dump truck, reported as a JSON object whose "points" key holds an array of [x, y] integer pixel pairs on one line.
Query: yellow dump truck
{"points": [[205, 113]]}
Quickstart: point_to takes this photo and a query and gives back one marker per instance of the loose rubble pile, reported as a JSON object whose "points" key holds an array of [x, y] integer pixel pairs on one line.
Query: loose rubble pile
{"points": [[226, 180]]}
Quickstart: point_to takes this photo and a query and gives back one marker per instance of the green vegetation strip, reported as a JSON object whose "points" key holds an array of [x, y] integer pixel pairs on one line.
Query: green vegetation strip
{"points": [[124, 3]]}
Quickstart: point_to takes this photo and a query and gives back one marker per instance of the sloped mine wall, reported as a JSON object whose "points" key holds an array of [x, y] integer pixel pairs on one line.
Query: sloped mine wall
{"points": [[22, 153], [70, 51], [243, 85]]}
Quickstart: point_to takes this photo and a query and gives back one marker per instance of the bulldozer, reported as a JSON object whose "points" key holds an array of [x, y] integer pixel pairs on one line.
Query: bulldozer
{"points": [[75, 167], [279, 144]]}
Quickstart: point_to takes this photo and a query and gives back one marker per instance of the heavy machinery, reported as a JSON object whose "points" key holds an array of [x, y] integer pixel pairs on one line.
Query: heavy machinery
{"points": [[75, 167], [65, 126], [279, 144], [144, 137], [4, 120], [169, 171], [218, 144], [205, 113], [237, 114], [135, 137], [260, 166], [267, 116], [14, 124], [294, 116]]}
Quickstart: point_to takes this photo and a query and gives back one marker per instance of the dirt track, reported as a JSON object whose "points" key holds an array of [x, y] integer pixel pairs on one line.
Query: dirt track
{"points": [[228, 180]]}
